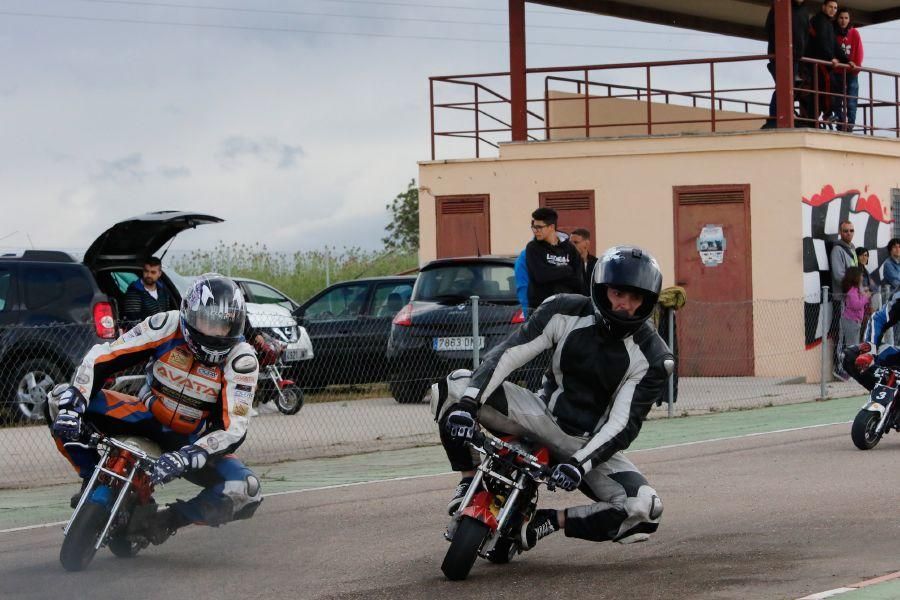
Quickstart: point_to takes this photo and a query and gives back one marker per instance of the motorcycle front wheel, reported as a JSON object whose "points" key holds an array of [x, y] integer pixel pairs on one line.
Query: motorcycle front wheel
{"points": [[78, 546], [289, 400], [467, 539], [863, 430]]}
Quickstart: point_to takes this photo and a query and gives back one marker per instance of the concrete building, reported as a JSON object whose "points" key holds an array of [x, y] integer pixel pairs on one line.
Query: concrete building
{"points": [[738, 216]]}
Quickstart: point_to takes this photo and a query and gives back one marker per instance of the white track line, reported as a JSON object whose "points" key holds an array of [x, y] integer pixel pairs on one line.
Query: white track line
{"points": [[854, 587], [411, 477]]}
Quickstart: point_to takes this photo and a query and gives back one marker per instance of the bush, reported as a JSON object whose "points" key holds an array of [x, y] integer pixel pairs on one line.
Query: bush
{"points": [[299, 275]]}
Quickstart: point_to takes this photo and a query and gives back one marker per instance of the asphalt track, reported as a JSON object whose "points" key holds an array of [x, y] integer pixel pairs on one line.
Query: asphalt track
{"points": [[777, 515]]}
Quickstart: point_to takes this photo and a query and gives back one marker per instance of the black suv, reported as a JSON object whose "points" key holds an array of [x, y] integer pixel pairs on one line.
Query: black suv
{"points": [[432, 335], [53, 308], [51, 312]]}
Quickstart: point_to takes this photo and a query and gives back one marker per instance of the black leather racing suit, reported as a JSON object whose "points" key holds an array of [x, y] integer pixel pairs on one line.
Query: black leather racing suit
{"points": [[595, 397]]}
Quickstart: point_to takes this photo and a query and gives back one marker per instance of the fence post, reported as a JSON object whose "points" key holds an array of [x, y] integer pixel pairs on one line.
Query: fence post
{"points": [[476, 350], [672, 374], [825, 313]]}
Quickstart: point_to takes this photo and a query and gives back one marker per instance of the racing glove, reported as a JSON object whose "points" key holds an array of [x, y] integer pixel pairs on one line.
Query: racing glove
{"points": [[172, 465], [566, 476], [461, 422], [865, 359], [71, 403]]}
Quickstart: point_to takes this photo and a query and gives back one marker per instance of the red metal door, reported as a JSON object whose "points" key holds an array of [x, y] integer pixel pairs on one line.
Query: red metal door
{"points": [[463, 226], [575, 209], [715, 327]]}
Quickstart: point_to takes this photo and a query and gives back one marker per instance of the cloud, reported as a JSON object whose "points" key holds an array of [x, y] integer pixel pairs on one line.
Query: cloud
{"points": [[233, 149], [174, 172], [127, 169]]}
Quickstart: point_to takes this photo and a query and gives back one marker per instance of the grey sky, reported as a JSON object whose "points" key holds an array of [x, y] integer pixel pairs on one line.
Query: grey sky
{"points": [[297, 138]]}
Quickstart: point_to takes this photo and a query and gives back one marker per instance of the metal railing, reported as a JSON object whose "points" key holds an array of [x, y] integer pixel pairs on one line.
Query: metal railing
{"points": [[483, 99]]}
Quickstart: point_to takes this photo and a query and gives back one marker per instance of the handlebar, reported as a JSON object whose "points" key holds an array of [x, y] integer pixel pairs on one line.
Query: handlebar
{"points": [[491, 445], [98, 438]]}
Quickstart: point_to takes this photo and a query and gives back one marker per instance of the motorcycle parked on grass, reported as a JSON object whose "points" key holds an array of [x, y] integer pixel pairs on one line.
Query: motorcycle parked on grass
{"points": [[116, 505], [880, 413], [272, 386], [503, 495]]}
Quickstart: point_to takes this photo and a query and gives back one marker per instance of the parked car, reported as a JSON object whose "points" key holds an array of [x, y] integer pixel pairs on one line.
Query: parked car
{"points": [[268, 313], [349, 324], [259, 292], [51, 312], [432, 335], [280, 324], [55, 308]]}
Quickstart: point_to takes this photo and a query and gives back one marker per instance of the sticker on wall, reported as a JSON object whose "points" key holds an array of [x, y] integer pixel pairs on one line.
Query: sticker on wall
{"points": [[711, 245]]}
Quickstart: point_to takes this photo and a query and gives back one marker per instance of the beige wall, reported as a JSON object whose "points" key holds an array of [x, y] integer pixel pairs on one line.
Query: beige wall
{"points": [[605, 113], [633, 180]]}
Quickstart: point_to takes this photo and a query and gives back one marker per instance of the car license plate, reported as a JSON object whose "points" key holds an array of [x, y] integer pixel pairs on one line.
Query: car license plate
{"points": [[294, 354], [462, 343]]}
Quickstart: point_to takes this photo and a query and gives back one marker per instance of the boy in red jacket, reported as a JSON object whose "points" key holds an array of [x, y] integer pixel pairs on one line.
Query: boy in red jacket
{"points": [[849, 40]]}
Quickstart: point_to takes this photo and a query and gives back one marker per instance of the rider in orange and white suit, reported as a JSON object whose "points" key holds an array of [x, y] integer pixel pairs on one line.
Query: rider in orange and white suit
{"points": [[201, 377]]}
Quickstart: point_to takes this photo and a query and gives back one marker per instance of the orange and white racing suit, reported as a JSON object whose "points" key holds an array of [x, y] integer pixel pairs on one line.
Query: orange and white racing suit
{"points": [[182, 402]]}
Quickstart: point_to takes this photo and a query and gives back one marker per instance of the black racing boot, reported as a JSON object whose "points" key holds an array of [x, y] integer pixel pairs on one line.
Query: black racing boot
{"points": [[73, 501], [164, 524], [543, 523], [462, 488]]}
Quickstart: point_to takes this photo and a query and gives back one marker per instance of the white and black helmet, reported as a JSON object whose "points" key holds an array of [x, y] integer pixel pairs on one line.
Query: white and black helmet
{"points": [[212, 317], [626, 268]]}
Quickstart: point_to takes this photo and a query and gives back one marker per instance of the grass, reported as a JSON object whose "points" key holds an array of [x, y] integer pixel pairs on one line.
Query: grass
{"points": [[298, 274]]}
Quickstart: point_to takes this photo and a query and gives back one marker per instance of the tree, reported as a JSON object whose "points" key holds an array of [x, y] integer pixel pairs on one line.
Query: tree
{"points": [[403, 230]]}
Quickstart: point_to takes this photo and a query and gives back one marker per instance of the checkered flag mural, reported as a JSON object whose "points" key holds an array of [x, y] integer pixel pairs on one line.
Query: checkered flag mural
{"points": [[822, 215]]}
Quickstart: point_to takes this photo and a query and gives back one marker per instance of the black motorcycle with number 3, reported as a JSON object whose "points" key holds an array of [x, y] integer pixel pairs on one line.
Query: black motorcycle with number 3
{"points": [[503, 495], [882, 411]]}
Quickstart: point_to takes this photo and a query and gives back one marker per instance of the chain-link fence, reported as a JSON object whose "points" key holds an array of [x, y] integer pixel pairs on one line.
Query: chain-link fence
{"points": [[364, 379]]}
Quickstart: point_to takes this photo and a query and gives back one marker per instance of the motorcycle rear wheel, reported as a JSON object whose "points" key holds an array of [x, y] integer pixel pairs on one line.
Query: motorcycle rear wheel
{"points": [[863, 430], [467, 539], [78, 546], [290, 400]]}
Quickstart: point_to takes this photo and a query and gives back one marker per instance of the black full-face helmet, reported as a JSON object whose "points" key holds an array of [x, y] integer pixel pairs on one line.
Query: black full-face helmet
{"points": [[212, 317], [626, 268]]}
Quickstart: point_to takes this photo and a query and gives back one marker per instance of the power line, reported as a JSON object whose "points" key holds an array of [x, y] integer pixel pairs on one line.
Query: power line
{"points": [[367, 34], [451, 6], [264, 11], [343, 33]]}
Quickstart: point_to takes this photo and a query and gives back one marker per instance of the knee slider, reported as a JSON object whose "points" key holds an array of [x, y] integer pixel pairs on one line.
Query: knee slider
{"points": [[656, 507], [253, 487], [647, 505]]}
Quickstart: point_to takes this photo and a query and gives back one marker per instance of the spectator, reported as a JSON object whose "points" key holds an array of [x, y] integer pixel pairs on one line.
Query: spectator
{"points": [[799, 37], [581, 239], [823, 46], [855, 306], [147, 295], [553, 263], [862, 257], [850, 44], [843, 255], [891, 274], [521, 271]]}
